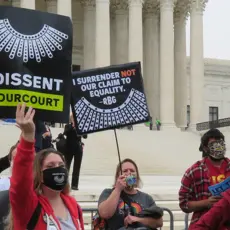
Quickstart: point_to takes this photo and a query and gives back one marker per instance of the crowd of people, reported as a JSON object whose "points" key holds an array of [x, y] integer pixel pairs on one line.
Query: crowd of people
{"points": [[37, 193]]}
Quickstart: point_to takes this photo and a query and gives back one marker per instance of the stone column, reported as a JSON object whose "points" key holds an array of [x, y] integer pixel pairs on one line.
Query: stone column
{"points": [[166, 63], [121, 34], [180, 68], [112, 37], [102, 48], [16, 3], [151, 58], [29, 4], [135, 31], [51, 6], [89, 33], [196, 62], [64, 7]]}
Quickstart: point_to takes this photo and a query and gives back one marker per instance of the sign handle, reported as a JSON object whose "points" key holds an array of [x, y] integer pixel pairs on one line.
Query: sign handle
{"points": [[118, 150]]}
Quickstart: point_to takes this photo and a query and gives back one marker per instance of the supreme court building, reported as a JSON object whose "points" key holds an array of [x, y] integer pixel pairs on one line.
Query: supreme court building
{"points": [[110, 32]]}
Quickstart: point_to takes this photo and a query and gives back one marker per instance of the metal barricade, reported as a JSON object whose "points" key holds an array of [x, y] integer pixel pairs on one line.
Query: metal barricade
{"points": [[186, 220], [94, 210]]}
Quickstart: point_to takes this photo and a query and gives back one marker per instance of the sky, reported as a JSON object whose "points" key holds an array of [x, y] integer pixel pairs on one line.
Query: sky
{"points": [[216, 30]]}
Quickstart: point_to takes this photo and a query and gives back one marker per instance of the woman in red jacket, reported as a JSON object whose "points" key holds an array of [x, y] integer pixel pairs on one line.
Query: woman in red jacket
{"points": [[217, 217], [40, 180]]}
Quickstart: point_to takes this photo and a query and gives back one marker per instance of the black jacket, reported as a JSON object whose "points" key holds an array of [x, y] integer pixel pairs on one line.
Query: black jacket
{"points": [[73, 140], [4, 163]]}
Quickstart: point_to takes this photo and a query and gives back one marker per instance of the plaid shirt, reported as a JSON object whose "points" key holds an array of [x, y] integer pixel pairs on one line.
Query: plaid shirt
{"points": [[194, 186]]}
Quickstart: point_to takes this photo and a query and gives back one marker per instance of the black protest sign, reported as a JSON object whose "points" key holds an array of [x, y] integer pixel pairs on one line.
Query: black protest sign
{"points": [[36, 58], [109, 97]]}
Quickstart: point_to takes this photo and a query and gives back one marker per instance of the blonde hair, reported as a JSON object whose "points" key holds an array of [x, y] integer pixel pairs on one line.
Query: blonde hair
{"points": [[37, 174], [118, 172]]}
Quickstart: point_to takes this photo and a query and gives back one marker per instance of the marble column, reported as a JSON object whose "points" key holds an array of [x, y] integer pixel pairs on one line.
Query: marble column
{"points": [[121, 32], [151, 59], [102, 46], [166, 64], [180, 68], [16, 3], [196, 62], [89, 33], [51, 6], [29, 4], [64, 7], [112, 37], [135, 31]]}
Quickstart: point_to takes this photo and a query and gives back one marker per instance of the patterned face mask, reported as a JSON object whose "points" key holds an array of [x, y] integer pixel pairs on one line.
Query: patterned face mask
{"points": [[217, 149], [131, 181]]}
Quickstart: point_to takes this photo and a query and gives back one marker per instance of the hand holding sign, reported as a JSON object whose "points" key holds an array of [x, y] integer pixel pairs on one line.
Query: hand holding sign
{"points": [[217, 189], [25, 122]]}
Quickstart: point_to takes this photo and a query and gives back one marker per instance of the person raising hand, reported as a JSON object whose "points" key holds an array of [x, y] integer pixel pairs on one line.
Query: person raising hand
{"points": [[25, 122], [39, 189]]}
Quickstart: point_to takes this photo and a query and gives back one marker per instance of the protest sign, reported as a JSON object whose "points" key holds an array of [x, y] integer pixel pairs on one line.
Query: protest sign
{"points": [[109, 97], [217, 189], [36, 58]]}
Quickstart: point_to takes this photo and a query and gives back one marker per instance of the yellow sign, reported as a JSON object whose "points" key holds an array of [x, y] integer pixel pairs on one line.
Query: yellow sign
{"points": [[45, 101]]}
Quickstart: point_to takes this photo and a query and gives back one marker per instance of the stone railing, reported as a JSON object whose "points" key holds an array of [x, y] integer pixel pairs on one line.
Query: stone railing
{"points": [[225, 122]]}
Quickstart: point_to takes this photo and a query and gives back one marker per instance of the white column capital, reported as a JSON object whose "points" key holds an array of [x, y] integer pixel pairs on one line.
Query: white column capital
{"points": [[88, 3], [197, 6], [119, 7], [167, 4], [136, 3], [151, 9], [180, 15], [102, 1]]}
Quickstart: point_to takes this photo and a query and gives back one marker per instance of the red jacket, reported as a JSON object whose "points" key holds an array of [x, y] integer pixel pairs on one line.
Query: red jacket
{"points": [[218, 217], [24, 200]]}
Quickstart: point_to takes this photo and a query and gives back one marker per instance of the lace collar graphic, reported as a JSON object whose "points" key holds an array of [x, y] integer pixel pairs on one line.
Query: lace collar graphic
{"points": [[91, 118], [35, 46]]}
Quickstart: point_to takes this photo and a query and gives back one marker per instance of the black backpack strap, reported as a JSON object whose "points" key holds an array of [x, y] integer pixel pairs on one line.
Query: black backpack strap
{"points": [[34, 219], [127, 200]]}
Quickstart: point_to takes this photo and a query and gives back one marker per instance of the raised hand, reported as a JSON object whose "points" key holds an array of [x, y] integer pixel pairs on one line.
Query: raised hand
{"points": [[121, 183], [25, 122]]}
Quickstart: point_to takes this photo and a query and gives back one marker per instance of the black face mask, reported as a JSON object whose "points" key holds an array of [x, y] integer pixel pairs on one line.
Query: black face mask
{"points": [[55, 178]]}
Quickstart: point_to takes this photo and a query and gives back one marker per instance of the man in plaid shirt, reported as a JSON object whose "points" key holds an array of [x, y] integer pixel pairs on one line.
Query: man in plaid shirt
{"points": [[194, 195]]}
